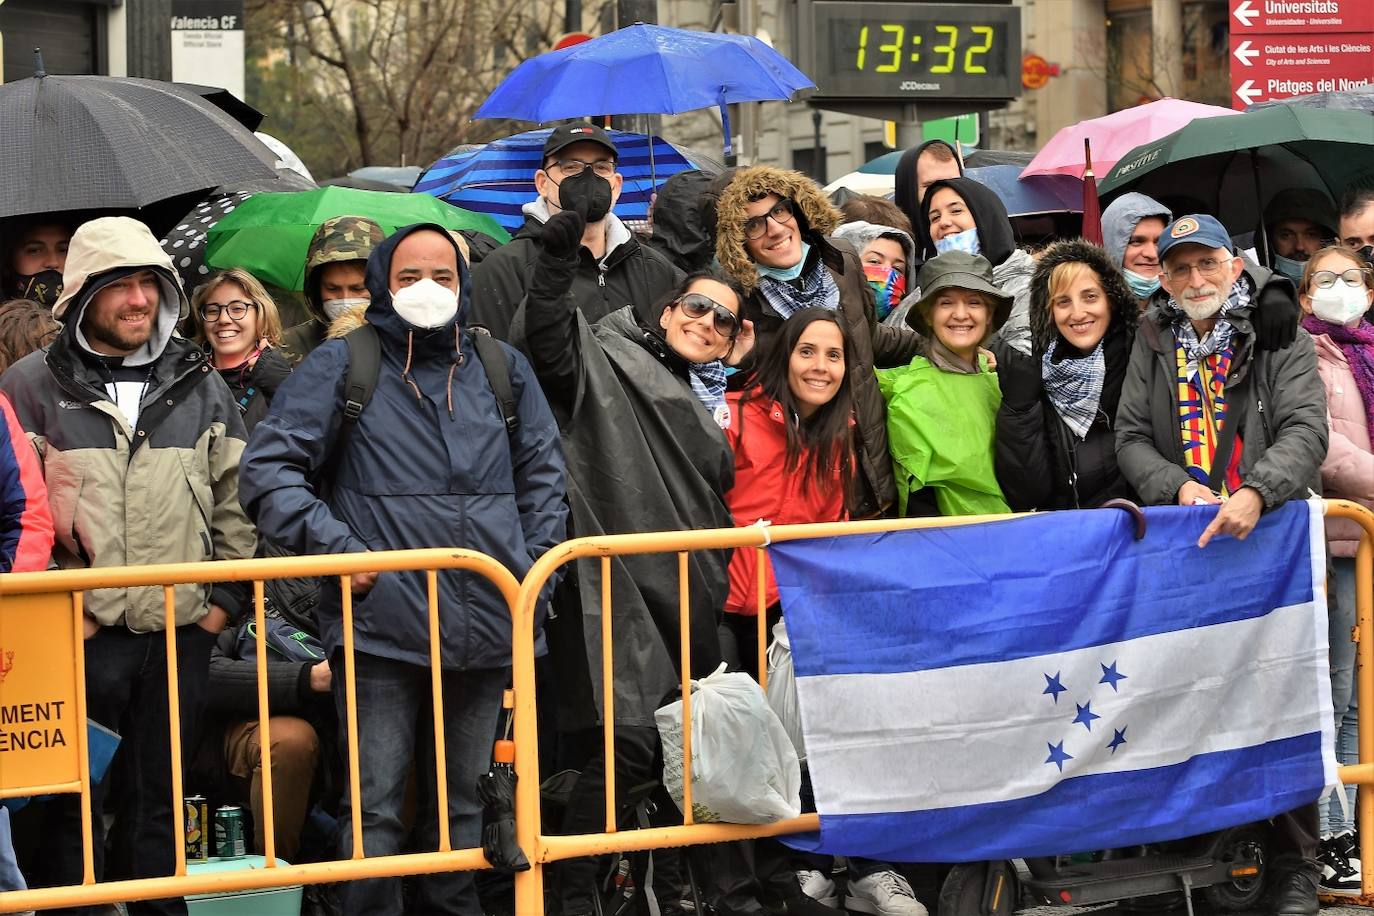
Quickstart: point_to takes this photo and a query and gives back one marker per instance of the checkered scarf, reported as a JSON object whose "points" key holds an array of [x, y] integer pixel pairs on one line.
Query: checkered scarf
{"points": [[818, 289], [708, 384], [1074, 387]]}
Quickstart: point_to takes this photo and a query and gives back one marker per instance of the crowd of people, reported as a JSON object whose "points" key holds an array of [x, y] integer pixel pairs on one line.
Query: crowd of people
{"points": [[759, 354]]}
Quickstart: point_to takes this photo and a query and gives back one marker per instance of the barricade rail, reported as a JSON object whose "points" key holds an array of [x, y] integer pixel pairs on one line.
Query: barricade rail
{"points": [[522, 598]]}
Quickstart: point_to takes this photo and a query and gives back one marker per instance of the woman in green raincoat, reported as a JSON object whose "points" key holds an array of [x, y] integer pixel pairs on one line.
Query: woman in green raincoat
{"points": [[942, 407]]}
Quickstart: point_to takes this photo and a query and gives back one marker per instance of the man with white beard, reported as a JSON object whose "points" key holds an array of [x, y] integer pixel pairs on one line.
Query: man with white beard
{"points": [[1208, 418]]}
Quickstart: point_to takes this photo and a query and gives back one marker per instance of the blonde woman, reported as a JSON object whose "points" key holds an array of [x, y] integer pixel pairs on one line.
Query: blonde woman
{"points": [[238, 324]]}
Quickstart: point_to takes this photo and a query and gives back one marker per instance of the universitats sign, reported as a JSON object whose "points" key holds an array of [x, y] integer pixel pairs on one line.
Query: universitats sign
{"points": [[40, 731]]}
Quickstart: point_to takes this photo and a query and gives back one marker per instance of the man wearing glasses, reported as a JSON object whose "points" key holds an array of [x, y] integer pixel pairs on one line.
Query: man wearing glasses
{"points": [[1208, 418], [613, 269]]}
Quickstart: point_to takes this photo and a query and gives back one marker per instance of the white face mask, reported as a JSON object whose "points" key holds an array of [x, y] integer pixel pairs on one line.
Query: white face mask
{"points": [[336, 307], [425, 304], [1340, 303]]}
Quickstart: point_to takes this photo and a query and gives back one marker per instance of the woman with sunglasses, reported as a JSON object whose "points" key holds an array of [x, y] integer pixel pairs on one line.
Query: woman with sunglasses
{"points": [[771, 235], [1336, 290], [640, 401], [237, 322]]}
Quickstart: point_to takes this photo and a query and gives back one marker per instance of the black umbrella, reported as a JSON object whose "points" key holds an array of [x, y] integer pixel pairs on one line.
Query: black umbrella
{"points": [[95, 142], [496, 792], [227, 102]]}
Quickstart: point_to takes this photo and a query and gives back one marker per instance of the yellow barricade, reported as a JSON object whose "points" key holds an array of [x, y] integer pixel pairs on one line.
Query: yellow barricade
{"points": [[42, 684]]}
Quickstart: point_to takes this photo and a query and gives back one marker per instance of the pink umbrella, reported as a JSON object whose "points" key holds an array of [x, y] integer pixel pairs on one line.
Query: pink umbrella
{"points": [[1115, 135]]}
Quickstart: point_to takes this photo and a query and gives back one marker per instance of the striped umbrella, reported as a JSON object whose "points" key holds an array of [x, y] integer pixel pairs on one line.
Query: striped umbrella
{"points": [[498, 178]]}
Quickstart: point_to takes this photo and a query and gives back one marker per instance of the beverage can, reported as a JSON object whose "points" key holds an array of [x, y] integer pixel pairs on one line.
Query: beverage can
{"points": [[229, 839], [197, 816]]}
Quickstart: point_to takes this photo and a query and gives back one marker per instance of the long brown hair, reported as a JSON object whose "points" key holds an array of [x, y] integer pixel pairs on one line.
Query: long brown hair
{"points": [[25, 326]]}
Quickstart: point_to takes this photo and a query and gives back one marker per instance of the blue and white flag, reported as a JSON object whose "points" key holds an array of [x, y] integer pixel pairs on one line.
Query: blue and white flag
{"points": [[1049, 685]]}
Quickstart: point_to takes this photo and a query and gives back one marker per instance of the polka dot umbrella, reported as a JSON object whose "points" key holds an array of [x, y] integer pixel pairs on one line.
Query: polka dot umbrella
{"points": [[185, 243]]}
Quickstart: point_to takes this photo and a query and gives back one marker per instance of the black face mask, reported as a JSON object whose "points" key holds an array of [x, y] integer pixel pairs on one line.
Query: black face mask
{"points": [[44, 287], [1367, 252], [587, 194]]}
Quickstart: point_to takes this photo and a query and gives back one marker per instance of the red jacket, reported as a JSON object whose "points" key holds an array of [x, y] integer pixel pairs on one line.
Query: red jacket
{"points": [[26, 531], [763, 489]]}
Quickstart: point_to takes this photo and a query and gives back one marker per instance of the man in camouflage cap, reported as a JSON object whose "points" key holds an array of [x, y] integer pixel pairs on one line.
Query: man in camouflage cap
{"points": [[334, 284]]}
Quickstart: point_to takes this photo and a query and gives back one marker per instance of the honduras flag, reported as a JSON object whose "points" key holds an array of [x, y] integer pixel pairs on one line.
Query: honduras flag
{"points": [[1049, 685]]}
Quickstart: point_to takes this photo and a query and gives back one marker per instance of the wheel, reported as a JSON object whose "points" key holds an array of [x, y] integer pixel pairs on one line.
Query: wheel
{"points": [[980, 889], [1242, 849]]}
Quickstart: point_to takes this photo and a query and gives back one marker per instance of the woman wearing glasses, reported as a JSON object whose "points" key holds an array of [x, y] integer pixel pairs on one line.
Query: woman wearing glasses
{"points": [[640, 401], [771, 228], [1337, 289], [237, 322]]}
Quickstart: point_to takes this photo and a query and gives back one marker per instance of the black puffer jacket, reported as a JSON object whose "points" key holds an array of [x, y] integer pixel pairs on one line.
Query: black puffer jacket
{"points": [[1041, 463]]}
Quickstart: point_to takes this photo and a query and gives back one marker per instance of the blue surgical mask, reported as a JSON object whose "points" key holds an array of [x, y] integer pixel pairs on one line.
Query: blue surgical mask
{"points": [[1289, 268], [1143, 287], [961, 241], [785, 274]]}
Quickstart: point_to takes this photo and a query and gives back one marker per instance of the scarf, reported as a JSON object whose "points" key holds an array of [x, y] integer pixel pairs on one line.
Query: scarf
{"points": [[708, 384], [1074, 386], [817, 288], [1203, 366], [1357, 344]]}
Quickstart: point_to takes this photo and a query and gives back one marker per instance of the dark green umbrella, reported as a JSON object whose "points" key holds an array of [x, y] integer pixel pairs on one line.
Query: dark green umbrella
{"points": [[269, 234], [1233, 166]]}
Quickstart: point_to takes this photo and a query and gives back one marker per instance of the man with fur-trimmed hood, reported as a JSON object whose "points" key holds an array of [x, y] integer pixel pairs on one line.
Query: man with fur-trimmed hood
{"points": [[1056, 448], [771, 228]]}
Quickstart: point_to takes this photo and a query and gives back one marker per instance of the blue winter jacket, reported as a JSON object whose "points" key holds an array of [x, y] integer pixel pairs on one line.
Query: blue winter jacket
{"points": [[417, 471]]}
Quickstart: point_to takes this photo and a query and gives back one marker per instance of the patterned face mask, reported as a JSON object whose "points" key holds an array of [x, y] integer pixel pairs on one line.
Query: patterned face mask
{"points": [[960, 241], [889, 286]]}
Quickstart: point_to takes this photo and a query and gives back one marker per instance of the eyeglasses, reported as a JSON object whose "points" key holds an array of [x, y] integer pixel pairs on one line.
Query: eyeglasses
{"points": [[695, 305], [1354, 276], [574, 167], [237, 309], [1210, 268], [756, 226]]}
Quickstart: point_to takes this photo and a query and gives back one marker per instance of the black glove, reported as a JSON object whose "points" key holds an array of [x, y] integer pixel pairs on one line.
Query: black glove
{"points": [[563, 234], [1275, 317], [1019, 377]]}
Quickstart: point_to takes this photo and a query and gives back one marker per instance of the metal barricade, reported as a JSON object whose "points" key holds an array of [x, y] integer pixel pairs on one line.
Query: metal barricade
{"points": [[70, 586]]}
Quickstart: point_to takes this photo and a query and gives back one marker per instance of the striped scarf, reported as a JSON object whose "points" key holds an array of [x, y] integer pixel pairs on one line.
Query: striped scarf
{"points": [[1203, 366]]}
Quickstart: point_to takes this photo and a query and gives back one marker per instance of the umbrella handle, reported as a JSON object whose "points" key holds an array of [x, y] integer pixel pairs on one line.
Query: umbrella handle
{"points": [[725, 124]]}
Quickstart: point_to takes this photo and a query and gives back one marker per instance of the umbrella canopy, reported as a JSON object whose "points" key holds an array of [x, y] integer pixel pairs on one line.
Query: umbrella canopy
{"points": [[862, 182], [227, 102], [97, 142], [1115, 134], [1232, 166], [1031, 196], [498, 179], [645, 69], [269, 234], [886, 164], [1360, 99]]}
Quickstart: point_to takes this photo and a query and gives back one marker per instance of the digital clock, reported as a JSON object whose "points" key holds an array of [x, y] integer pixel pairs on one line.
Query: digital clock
{"points": [[866, 50]]}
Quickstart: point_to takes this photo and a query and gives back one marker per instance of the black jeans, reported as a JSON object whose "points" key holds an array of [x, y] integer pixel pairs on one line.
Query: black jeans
{"points": [[126, 691]]}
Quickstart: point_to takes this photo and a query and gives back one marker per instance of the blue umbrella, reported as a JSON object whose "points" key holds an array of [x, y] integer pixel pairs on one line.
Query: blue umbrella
{"points": [[497, 179], [645, 69], [1029, 196]]}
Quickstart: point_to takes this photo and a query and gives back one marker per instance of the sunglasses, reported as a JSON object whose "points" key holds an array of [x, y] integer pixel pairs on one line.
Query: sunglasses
{"points": [[695, 305]]}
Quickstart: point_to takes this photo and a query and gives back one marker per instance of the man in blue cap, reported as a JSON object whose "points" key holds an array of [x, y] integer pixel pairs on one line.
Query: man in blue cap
{"points": [[1206, 417]]}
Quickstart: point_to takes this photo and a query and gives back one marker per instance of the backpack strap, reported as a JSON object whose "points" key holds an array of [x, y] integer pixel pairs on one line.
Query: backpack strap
{"points": [[497, 368], [364, 365]]}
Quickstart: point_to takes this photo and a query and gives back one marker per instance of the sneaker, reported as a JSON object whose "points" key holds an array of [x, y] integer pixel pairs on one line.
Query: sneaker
{"points": [[818, 887], [1295, 894], [1340, 862], [883, 893]]}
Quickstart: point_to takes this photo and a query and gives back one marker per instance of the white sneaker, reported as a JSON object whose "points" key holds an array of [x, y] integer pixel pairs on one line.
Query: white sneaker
{"points": [[818, 886], [883, 893]]}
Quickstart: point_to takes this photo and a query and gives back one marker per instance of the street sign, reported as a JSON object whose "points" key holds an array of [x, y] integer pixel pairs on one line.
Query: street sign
{"points": [[41, 732], [1253, 16], [1279, 66]]}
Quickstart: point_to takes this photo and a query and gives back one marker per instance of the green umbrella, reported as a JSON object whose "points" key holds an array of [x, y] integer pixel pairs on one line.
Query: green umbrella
{"points": [[269, 234], [1232, 166]]}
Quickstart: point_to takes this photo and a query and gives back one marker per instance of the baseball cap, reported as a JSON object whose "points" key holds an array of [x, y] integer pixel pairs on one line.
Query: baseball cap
{"points": [[565, 135], [1195, 229]]}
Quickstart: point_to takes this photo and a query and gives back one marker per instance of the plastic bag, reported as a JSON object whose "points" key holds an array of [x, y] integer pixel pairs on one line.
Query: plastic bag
{"points": [[782, 688], [744, 768]]}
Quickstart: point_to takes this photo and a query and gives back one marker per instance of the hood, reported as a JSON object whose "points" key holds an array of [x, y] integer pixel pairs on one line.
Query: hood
{"points": [[1123, 302], [995, 234], [380, 313], [1122, 216], [815, 214], [1297, 203], [343, 238], [678, 229], [860, 233], [107, 249], [905, 192]]}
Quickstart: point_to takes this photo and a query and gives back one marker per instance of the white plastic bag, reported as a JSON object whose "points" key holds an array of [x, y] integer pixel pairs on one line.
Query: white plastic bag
{"points": [[744, 768], [782, 688]]}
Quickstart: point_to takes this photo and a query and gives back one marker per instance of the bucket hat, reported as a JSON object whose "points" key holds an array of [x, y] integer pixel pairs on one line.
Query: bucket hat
{"points": [[959, 270]]}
